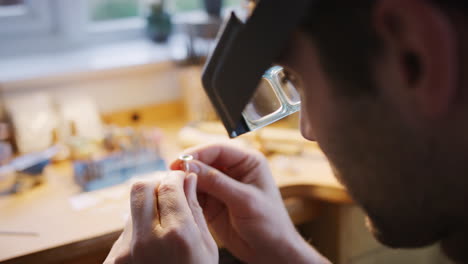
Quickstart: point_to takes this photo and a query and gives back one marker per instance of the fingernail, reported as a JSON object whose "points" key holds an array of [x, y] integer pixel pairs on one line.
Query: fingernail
{"points": [[193, 167], [189, 176]]}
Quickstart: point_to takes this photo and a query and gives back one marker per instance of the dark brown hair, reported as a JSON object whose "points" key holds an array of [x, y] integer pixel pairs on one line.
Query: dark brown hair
{"points": [[347, 42]]}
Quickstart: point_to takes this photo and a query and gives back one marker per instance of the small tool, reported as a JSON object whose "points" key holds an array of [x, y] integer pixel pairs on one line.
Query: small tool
{"points": [[185, 158]]}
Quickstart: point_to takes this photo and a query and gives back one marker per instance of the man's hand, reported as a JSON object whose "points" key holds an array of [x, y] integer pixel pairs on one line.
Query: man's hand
{"points": [[243, 206], [167, 225]]}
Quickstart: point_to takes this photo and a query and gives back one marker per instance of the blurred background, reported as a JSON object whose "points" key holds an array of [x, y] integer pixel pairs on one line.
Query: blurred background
{"points": [[31, 27], [96, 81], [95, 94]]}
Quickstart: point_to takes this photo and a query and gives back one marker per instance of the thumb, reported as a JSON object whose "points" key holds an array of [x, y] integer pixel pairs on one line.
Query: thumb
{"points": [[231, 192]]}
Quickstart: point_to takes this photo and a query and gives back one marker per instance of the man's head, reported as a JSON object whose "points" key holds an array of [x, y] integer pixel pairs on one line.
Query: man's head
{"points": [[383, 93]]}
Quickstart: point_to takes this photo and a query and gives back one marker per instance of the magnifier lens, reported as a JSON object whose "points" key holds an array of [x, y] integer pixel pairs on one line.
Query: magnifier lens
{"points": [[292, 95], [263, 103], [275, 98]]}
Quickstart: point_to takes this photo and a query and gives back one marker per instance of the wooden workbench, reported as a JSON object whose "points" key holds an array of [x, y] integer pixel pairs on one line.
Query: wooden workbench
{"points": [[62, 232]]}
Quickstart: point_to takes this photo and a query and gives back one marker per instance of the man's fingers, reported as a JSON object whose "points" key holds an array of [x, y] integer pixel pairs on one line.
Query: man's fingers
{"points": [[197, 212], [143, 207], [217, 184], [221, 156], [172, 204]]}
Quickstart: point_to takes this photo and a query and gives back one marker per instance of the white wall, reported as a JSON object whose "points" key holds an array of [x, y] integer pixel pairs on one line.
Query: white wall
{"points": [[112, 90]]}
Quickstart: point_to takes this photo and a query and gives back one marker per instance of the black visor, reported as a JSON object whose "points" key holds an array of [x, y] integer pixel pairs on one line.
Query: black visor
{"points": [[244, 53]]}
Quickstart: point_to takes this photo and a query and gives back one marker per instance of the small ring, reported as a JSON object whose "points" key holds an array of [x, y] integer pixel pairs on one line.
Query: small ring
{"points": [[185, 158]]}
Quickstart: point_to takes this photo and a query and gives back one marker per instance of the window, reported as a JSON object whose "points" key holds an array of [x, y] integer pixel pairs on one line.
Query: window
{"points": [[32, 26], [189, 5], [124, 19], [102, 10], [184, 5]]}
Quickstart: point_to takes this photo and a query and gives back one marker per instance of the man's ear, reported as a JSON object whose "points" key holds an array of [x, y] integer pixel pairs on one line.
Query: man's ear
{"points": [[421, 41]]}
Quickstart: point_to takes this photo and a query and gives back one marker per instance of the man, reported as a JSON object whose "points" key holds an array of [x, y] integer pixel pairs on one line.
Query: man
{"points": [[383, 92]]}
